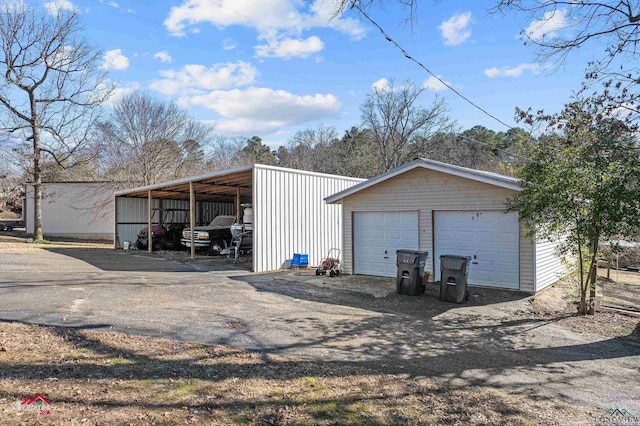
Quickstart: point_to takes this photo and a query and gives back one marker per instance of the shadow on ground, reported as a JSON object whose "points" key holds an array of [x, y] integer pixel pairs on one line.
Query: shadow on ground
{"points": [[139, 261], [217, 365]]}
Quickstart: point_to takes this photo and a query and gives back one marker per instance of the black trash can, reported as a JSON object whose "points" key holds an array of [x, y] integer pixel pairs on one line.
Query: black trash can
{"points": [[410, 267], [454, 271]]}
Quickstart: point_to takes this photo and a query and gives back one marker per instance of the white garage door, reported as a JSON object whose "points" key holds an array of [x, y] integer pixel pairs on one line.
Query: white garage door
{"points": [[490, 238], [377, 236]]}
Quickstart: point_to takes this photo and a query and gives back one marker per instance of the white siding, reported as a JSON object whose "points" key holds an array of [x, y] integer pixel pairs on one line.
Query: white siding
{"points": [[73, 210], [290, 215], [428, 191], [549, 265]]}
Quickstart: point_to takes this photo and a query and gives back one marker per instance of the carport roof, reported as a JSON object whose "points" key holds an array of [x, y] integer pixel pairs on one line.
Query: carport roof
{"points": [[211, 186], [477, 175]]}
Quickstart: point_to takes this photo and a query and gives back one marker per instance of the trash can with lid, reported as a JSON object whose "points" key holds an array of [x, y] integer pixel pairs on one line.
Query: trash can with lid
{"points": [[454, 271], [410, 267]]}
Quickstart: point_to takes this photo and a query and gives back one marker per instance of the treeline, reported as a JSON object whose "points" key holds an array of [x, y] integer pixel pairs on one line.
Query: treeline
{"points": [[356, 153], [144, 141]]}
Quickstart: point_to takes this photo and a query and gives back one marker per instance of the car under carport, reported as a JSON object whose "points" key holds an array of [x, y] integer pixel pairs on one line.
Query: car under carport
{"points": [[289, 213]]}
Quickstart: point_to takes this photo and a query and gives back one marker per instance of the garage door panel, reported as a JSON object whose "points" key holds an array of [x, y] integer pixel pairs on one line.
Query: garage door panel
{"points": [[377, 236], [486, 237], [491, 237]]}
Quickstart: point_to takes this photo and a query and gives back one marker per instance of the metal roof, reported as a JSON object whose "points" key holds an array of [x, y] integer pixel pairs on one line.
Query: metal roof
{"points": [[215, 186], [490, 178]]}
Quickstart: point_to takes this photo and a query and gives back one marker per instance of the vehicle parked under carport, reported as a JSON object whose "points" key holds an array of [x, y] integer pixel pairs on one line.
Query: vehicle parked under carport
{"points": [[214, 237], [164, 235]]}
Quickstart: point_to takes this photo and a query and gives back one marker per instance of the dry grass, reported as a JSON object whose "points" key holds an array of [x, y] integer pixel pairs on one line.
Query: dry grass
{"points": [[9, 215], [107, 378]]}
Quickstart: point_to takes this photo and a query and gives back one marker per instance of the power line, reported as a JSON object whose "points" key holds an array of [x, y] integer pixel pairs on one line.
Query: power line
{"points": [[411, 58], [382, 31], [461, 136]]}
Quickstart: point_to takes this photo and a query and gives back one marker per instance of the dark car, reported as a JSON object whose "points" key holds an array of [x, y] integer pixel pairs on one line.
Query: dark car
{"points": [[214, 237]]}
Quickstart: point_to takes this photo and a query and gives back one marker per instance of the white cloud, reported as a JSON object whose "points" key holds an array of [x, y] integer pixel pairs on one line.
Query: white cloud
{"points": [[57, 6], [512, 72], [455, 30], [322, 14], [382, 84], [263, 110], [548, 26], [121, 91], [228, 44], [265, 16], [196, 79], [290, 48], [264, 104], [163, 56], [272, 19], [117, 6], [434, 84], [115, 60], [244, 127]]}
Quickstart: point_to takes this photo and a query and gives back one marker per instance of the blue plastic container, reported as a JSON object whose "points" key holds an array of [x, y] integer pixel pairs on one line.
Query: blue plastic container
{"points": [[300, 260]]}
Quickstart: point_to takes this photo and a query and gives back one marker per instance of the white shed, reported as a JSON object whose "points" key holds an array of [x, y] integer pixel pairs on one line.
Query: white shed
{"points": [[80, 210], [290, 215], [443, 209]]}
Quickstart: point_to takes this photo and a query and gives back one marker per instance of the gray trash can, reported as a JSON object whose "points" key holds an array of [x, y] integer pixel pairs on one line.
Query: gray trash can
{"points": [[410, 267], [454, 271]]}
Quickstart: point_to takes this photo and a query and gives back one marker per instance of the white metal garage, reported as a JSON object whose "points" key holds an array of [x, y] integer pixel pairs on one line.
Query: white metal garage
{"points": [[377, 236], [490, 238], [458, 211]]}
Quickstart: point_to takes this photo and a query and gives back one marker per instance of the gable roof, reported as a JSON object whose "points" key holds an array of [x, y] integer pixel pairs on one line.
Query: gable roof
{"points": [[490, 178]]}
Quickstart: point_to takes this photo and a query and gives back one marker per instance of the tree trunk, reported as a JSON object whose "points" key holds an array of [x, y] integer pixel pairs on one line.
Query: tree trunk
{"points": [[593, 275], [592, 291], [37, 179], [582, 307]]}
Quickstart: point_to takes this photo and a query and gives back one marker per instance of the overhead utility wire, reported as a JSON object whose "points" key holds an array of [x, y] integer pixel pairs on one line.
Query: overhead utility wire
{"points": [[411, 58], [461, 136], [406, 54]]}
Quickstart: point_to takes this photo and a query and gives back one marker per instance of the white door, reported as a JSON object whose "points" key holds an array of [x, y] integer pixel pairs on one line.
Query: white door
{"points": [[490, 238], [377, 236]]}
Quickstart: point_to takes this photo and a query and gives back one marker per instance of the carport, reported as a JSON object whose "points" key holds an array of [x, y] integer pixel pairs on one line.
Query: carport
{"points": [[290, 215]]}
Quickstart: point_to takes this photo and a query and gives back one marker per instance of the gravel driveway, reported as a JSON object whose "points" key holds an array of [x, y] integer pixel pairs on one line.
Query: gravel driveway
{"points": [[494, 340]]}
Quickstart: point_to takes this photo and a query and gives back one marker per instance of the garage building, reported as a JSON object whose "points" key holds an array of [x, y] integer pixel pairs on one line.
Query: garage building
{"points": [[443, 209], [78, 210], [289, 212]]}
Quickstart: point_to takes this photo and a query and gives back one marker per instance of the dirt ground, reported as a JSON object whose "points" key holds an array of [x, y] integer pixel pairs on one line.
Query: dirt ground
{"points": [[292, 348], [106, 378], [558, 303]]}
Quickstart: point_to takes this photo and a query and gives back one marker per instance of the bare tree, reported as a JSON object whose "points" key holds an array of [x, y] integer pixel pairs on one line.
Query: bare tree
{"points": [[398, 125], [11, 187], [50, 90], [146, 141], [561, 27], [410, 6], [310, 149], [226, 153]]}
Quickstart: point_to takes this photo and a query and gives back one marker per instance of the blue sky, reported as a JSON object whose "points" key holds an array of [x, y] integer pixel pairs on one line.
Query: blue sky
{"points": [[273, 67]]}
